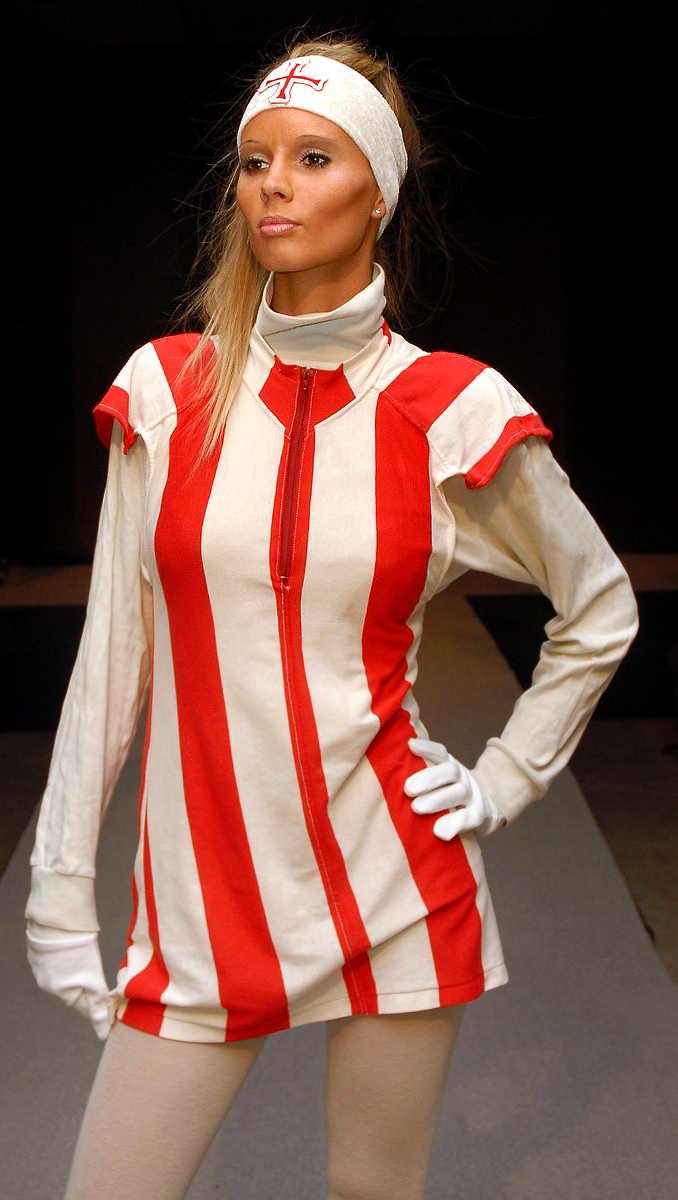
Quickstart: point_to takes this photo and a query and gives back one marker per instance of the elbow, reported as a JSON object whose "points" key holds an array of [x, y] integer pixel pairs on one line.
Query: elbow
{"points": [[628, 613], [622, 623], [602, 632]]}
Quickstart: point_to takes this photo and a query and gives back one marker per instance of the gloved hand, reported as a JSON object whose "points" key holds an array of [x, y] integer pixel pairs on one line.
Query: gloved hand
{"points": [[68, 965], [449, 785]]}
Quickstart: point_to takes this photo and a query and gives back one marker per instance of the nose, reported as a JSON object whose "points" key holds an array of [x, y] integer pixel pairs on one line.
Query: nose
{"points": [[275, 181]]}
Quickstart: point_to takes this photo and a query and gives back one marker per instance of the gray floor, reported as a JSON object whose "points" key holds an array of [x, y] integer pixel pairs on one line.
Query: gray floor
{"points": [[564, 1083]]}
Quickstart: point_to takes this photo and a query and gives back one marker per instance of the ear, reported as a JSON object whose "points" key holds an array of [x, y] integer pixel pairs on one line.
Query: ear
{"points": [[379, 208]]}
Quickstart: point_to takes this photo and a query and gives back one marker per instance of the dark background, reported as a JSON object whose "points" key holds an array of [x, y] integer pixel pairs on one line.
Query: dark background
{"points": [[557, 125]]}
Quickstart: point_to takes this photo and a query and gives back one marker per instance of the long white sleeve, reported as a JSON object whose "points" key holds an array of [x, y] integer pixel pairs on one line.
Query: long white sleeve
{"points": [[528, 525], [102, 704]]}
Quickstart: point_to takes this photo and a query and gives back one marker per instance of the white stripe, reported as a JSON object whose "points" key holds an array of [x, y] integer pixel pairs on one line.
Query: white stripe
{"points": [[442, 552], [407, 956], [336, 595], [336, 591], [140, 952], [183, 935], [236, 537], [469, 427], [377, 866], [379, 364], [491, 949], [150, 395], [182, 924]]}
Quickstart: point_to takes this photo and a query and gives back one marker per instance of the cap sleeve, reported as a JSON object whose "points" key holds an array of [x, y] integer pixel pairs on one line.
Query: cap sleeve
{"points": [[147, 389], [474, 432], [114, 406]]}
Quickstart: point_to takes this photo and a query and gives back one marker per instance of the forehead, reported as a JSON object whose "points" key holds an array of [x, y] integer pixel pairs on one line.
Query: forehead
{"points": [[286, 124]]}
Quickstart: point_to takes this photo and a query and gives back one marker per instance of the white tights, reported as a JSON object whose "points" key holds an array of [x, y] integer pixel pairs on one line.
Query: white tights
{"points": [[157, 1104]]}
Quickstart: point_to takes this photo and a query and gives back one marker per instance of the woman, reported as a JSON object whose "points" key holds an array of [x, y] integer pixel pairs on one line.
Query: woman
{"points": [[285, 493]]}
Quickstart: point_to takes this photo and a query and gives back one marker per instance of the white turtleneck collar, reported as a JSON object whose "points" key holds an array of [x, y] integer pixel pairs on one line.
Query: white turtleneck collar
{"points": [[324, 339]]}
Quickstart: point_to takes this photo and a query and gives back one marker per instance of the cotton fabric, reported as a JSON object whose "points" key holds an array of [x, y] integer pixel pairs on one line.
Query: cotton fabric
{"points": [[274, 598]]}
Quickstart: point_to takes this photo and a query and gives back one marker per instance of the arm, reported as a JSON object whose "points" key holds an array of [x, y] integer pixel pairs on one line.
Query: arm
{"points": [[101, 708], [527, 524]]}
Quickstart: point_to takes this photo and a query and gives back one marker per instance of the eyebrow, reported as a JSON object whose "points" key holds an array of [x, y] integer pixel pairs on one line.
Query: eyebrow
{"points": [[301, 137]]}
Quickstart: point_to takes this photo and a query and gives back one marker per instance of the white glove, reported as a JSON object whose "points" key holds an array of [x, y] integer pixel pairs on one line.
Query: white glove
{"points": [[68, 965], [449, 785]]}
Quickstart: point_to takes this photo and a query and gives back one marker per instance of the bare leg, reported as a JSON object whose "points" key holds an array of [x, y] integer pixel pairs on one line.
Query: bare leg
{"points": [[153, 1112], [385, 1083]]}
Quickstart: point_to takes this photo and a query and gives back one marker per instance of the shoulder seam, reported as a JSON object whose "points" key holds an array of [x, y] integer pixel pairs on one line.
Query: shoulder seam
{"points": [[419, 425], [175, 407]]}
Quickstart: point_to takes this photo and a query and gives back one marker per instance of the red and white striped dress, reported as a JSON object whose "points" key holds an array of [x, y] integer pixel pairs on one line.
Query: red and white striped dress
{"points": [[274, 597]]}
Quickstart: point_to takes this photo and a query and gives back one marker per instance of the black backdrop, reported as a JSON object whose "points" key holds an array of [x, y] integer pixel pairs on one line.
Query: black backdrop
{"points": [[562, 205]]}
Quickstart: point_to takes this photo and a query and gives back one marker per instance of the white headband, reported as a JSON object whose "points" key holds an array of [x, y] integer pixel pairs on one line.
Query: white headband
{"points": [[330, 89]]}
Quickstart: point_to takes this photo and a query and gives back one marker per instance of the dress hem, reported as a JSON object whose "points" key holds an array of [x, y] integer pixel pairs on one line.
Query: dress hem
{"points": [[213, 1027]]}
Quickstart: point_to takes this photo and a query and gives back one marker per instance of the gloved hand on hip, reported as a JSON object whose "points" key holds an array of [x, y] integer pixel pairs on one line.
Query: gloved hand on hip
{"points": [[445, 785], [68, 965]]}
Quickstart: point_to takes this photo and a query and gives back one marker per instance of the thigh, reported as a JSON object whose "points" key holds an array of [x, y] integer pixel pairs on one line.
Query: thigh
{"points": [[385, 1082], [154, 1109]]}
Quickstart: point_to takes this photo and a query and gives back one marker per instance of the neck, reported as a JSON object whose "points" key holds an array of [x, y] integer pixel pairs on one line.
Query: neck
{"points": [[320, 289], [326, 337]]}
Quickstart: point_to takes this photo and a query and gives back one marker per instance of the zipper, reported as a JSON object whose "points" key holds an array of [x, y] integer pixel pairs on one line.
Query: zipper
{"points": [[292, 476], [289, 603]]}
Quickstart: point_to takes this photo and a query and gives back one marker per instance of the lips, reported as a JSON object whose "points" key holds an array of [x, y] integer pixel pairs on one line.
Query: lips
{"points": [[276, 225], [276, 219]]}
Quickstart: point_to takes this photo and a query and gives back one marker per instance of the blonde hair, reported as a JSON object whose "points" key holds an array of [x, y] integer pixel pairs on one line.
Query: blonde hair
{"points": [[226, 304]]}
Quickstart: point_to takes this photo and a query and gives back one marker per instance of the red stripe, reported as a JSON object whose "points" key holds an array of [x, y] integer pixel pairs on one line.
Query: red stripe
{"points": [[145, 1015], [351, 932], [148, 986], [250, 980], [429, 385], [114, 407], [342, 904], [332, 391], [173, 353], [439, 869], [515, 430], [147, 733], [279, 392], [132, 924]]}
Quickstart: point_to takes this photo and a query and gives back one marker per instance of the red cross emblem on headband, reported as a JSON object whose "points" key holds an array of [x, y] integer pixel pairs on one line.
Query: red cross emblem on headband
{"points": [[284, 84]]}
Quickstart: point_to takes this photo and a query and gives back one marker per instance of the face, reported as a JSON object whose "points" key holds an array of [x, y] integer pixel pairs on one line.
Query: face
{"points": [[307, 193]]}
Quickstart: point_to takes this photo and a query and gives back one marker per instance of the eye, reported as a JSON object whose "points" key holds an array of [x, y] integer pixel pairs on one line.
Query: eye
{"points": [[251, 163], [314, 158]]}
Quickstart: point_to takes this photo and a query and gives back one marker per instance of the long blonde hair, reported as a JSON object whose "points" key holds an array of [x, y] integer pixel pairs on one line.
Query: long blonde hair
{"points": [[226, 304]]}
